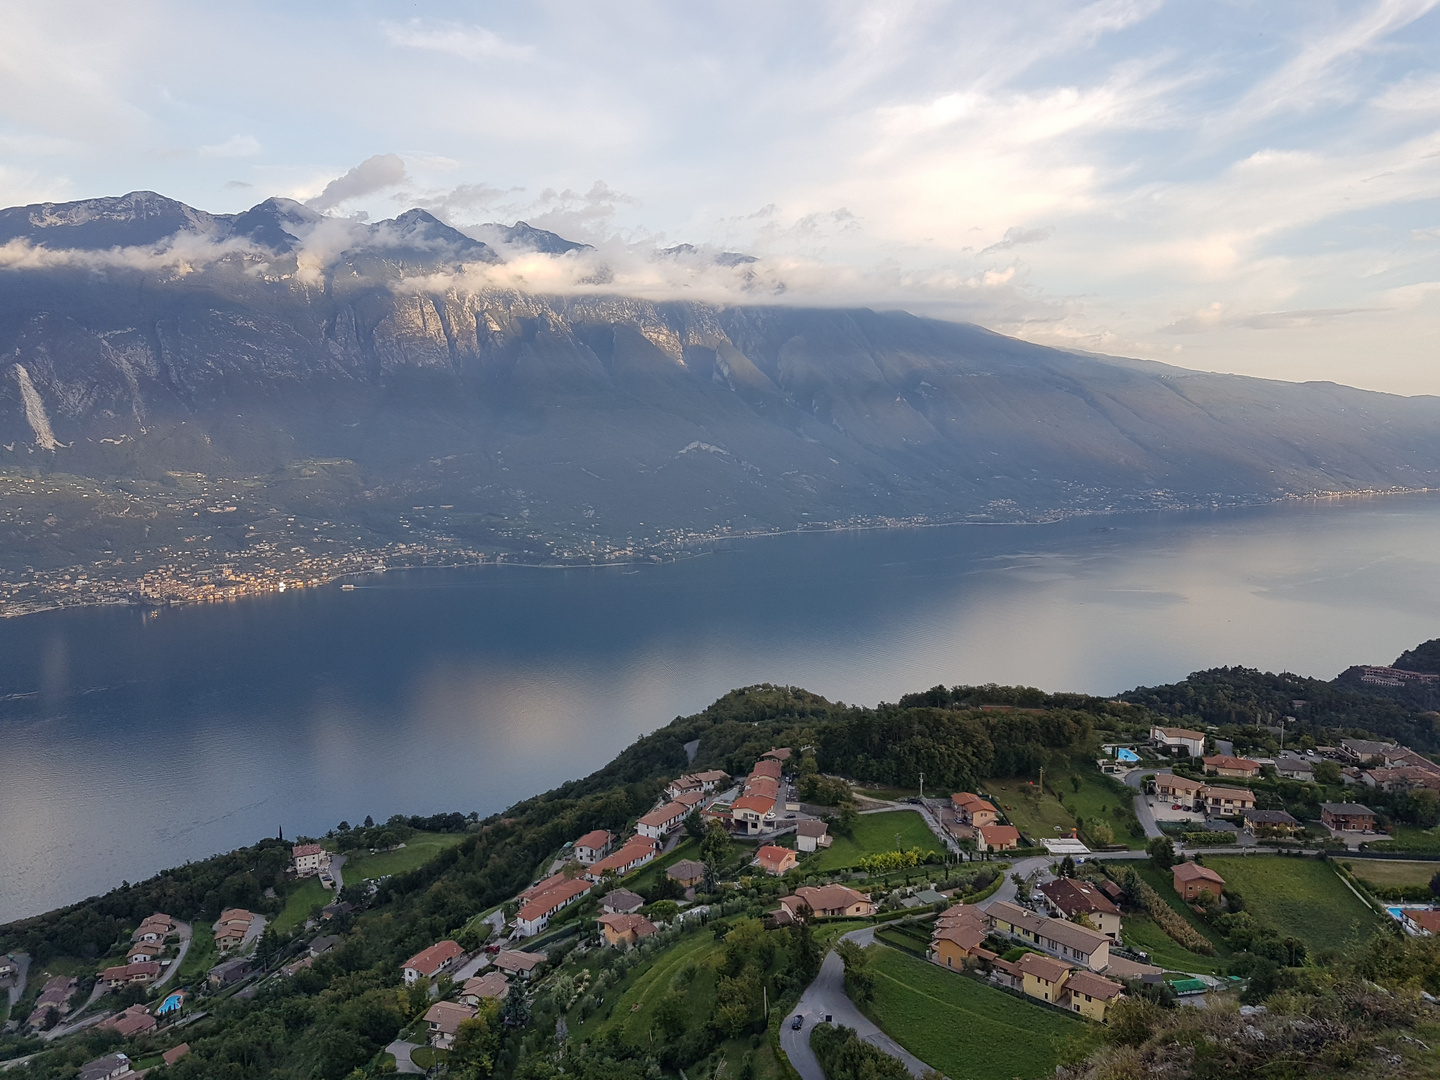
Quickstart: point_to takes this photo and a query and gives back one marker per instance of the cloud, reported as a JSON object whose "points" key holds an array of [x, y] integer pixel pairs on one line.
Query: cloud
{"points": [[373, 174], [235, 146], [229, 184], [1015, 236], [472, 43]]}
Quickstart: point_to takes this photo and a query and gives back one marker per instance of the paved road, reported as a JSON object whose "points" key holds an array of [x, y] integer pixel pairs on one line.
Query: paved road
{"points": [[17, 989], [401, 1049], [186, 933], [252, 934], [826, 996], [1135, 778], [337, 867], [472, 967]]}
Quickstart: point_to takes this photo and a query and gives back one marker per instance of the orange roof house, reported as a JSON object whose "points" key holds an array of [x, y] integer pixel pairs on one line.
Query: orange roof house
{"points": [[1192, 879], [997, 838], [775, 860], [428, 963]]}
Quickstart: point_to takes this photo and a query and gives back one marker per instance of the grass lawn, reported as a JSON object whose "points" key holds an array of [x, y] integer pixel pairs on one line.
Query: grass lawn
{"points": [[1411, 838], [1385, 872], [827, 933], [1034, 812], [649, 874], [965, 1029], [201, 957], [1164, 884], [1141, 932], [308, 895], [874, 833], [1304, 897], [1095, 802], [427, 1057], [637, 998], [418, 850]]}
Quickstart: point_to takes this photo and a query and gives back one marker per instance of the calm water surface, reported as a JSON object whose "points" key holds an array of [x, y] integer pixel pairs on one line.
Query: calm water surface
{"points": [[128, 744]]}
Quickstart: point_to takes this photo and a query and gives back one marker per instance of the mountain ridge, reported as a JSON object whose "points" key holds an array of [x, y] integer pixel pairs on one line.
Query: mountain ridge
{"points": [[380, 362]]}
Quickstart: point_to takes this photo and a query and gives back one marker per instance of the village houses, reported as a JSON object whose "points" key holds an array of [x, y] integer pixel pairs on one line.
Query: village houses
{"points": [[1178, 740], [428, 963], [592, 846]]}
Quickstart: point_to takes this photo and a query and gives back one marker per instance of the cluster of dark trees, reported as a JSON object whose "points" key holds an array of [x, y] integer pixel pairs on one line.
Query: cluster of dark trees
{"points": [[1327, 711]]}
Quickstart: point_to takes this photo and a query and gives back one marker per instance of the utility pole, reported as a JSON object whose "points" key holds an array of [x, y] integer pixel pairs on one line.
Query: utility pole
{"points": [[922, 786]]}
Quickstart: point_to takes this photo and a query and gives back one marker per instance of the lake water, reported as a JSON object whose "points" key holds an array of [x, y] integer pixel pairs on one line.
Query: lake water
{"points": [[130, 743]]}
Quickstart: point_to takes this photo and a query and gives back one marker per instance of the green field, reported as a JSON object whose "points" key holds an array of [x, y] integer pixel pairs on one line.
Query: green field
{"points": [[418, 850], [965, 1029], [1304, 897], [1410, 838], [1164, 884], [1034, 812], [1096, 802], [1142, 932], [201, 957], [644, 878], [1392, 871], [308, 895], [874, 833]]}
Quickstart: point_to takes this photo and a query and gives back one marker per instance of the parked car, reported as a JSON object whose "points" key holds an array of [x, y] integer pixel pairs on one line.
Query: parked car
{"points": [[797, 1023]]}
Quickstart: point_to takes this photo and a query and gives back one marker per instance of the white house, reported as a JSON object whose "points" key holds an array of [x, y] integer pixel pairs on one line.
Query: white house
{"points": [[657, 823], [593, 845], [1176, 738], [812, 835], [309, 859]]}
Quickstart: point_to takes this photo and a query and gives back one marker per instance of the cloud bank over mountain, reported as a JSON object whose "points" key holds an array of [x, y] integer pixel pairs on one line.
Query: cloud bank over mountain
{"points": [[1229, 187]]}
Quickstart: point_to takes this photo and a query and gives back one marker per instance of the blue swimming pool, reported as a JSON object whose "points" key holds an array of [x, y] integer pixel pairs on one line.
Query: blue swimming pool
{"points": [[171, 1003]]}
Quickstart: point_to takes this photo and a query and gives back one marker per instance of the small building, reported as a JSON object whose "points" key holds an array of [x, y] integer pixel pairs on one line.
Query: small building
{"points": [[1270, 822], [1191, 879], [55, 994], [1173, 788], [658, 824], [1072, 898], [1363, 750], [1347, 817], [1178, 740], [155, 927], [812, 835], [686, 872], [1235, 767], [592, 846], [228, 973], [493, 985], [767, 767], [1292, 766], [958, 935], [232, 928], [1042, 976], [753, 814], [780, 754], [443, 1020], [622, 902], [997, 838], [825, 900], [309, 859], [144, 951], [175, 1053], [534, 915], [142, 972], [970, 809], [1423, 922], [624, 930], [1091, 995], [136, 1020], [635, 852], [517, 963], [775, 860], [428, 963], [106, 1068], [1227, 802]]}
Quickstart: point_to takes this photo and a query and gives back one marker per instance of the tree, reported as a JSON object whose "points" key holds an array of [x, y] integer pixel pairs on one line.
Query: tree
{"points": [[715, 848], [1327, 772], [1022, 888], [1435, 884], [1161, 852], [477, 1041], [516, 1011], [1067, 867], [695, 825], [859, 979]]}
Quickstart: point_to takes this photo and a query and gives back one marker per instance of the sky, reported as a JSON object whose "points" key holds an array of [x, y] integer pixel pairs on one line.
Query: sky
{"points": [[1229, 186]]}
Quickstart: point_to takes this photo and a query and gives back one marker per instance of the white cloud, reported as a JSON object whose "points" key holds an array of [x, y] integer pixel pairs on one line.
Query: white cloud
{"points": [[376, 173], [472, 43], [233, 147]]}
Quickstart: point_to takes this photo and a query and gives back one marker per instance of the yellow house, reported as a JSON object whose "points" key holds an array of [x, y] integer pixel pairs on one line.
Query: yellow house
{"points": [[1090, 994], [1042, 976]]}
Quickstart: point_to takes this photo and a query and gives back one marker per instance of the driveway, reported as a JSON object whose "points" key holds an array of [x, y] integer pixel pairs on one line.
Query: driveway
{"points": [[337, 866], [252, 934], [472, 967], [401, 1049], [186, 933], [1135, 778], [826, 997], [17, 989]]}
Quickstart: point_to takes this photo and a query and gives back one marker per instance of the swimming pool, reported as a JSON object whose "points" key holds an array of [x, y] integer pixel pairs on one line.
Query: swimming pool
{"points": [[171, 1003]]}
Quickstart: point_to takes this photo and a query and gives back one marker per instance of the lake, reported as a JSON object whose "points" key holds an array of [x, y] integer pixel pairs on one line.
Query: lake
{"points": [[129, 743]]}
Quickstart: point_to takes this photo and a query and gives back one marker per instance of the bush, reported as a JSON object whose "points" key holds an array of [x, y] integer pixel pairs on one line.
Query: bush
{"points": [[844, 1056], [1166, 917]]}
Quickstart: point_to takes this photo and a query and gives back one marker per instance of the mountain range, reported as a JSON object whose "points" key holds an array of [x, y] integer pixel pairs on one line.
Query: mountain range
{"points": [[364, 372]]}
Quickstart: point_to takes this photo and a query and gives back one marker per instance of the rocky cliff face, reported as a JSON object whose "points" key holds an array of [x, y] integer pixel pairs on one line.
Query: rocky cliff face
{"points": [[140, 337]]}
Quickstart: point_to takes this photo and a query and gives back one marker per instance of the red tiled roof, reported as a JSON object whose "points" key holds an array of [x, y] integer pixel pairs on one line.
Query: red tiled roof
{"points": [[756, 803], [1189, 871], [664, 816], [428, 961], [768, 767]]}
